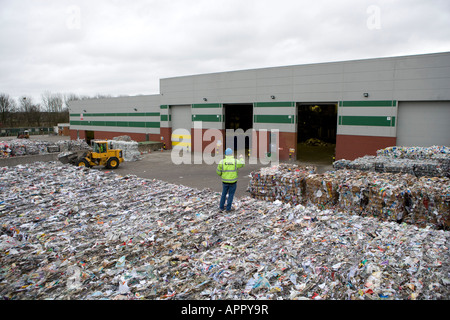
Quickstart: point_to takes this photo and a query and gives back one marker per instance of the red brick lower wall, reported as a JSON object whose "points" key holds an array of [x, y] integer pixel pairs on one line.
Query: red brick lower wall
{"points": [[109, 135], [73, 135], [166, 135], [352, 147], [288, 140], [347, 146], [197, 143]]}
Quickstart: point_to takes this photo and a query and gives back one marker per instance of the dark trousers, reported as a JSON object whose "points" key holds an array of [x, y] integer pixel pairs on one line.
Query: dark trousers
{"points": [[230, 189]]}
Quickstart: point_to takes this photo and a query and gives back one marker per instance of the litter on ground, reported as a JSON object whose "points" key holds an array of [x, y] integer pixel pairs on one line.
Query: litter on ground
{"points": [[75, 233]]}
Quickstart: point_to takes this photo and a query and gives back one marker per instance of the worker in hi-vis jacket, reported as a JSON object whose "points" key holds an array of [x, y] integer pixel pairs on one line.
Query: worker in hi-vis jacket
{"points": [[228, 170]]}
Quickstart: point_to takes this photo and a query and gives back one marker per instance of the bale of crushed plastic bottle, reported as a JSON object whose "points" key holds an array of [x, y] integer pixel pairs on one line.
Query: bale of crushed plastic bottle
{"points": [[428, 202], [284, 182], [386, 198], [353, 192], [322, 189], [130, 149]]}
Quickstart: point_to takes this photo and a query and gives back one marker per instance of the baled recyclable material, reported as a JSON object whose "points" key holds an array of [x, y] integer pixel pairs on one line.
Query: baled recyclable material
{"points": [[414, 152], [122, 138], [428, 202], [284, 182], [387, 196], [25, 147], [75, 233], [353, 191], [321, 189], [418, 161], [129, 149]]}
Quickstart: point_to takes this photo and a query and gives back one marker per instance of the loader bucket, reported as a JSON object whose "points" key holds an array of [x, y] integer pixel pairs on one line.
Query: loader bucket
{"points": [[67, 157]]}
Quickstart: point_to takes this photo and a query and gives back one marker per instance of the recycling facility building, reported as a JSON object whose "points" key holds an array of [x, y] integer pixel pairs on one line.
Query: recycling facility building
{"points": [[358, 107]]}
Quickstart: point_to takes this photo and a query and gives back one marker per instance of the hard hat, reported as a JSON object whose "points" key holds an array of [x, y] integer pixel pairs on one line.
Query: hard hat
{"points": [[228, 152]]}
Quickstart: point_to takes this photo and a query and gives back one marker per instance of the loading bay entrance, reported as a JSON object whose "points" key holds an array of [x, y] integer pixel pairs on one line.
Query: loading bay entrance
{"points": [[316, 131], [90, 135], [238, 116]]}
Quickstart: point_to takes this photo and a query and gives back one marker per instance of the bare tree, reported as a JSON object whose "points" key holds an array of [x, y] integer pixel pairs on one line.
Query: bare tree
{"points": [[7, 107], [70, 97], [102, 96], [32, 111], [52, 102]]}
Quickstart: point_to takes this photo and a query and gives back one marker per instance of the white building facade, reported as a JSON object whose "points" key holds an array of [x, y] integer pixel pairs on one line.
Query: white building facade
{"points": [[361, 106]]}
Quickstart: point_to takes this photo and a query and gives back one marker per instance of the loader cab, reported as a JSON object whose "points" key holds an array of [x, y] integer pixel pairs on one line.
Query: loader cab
{"points": [[25, 134], [99, 146]]}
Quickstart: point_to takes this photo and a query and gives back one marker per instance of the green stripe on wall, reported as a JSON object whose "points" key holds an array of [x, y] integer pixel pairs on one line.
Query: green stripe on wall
{"points": [[207, 105], [273, 104], [383, 103], [207, 117], [367, 121], [164, 117], [133, 124], [164, 106], [273, 119], [122, 124], [124, 114]]}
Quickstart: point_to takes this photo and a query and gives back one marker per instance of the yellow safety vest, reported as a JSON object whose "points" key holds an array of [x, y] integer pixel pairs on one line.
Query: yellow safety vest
{"points": [[228, 169]]}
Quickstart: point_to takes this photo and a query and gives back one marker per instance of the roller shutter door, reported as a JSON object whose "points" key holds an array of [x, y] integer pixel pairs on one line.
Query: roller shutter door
{"points": [[423, 124], [181, 119]]}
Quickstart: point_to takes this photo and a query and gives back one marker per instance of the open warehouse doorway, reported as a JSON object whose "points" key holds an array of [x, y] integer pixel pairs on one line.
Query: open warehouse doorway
{"points": [[316, 132], [90, 135], [238, 116]]}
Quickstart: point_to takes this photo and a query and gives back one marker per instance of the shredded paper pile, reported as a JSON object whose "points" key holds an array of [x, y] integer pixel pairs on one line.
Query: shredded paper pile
{"points": [[77, 233]]}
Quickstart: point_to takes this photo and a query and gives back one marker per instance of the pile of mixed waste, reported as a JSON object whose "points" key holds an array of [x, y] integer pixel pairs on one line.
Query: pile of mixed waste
{"points": [[75, 233]]}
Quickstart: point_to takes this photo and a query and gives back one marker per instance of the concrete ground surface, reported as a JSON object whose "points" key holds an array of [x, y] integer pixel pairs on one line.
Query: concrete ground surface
{"points": [[159, 165]]}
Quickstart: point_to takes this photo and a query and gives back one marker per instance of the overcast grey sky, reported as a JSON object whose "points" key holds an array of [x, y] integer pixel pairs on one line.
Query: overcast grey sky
{"points": [[121, 47]]}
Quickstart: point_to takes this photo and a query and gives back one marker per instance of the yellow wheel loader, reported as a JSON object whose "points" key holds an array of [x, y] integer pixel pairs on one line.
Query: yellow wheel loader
{"points": [[101, 155], [23, 134]]}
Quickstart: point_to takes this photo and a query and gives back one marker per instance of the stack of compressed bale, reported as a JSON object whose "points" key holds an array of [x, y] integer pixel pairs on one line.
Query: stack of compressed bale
{"points": [[284, 182], [386, 196], [130, 149], [428, 202], [322, 189], [290, 188], [418, 161], [262, 184], [353, 191], [399, 197]]}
